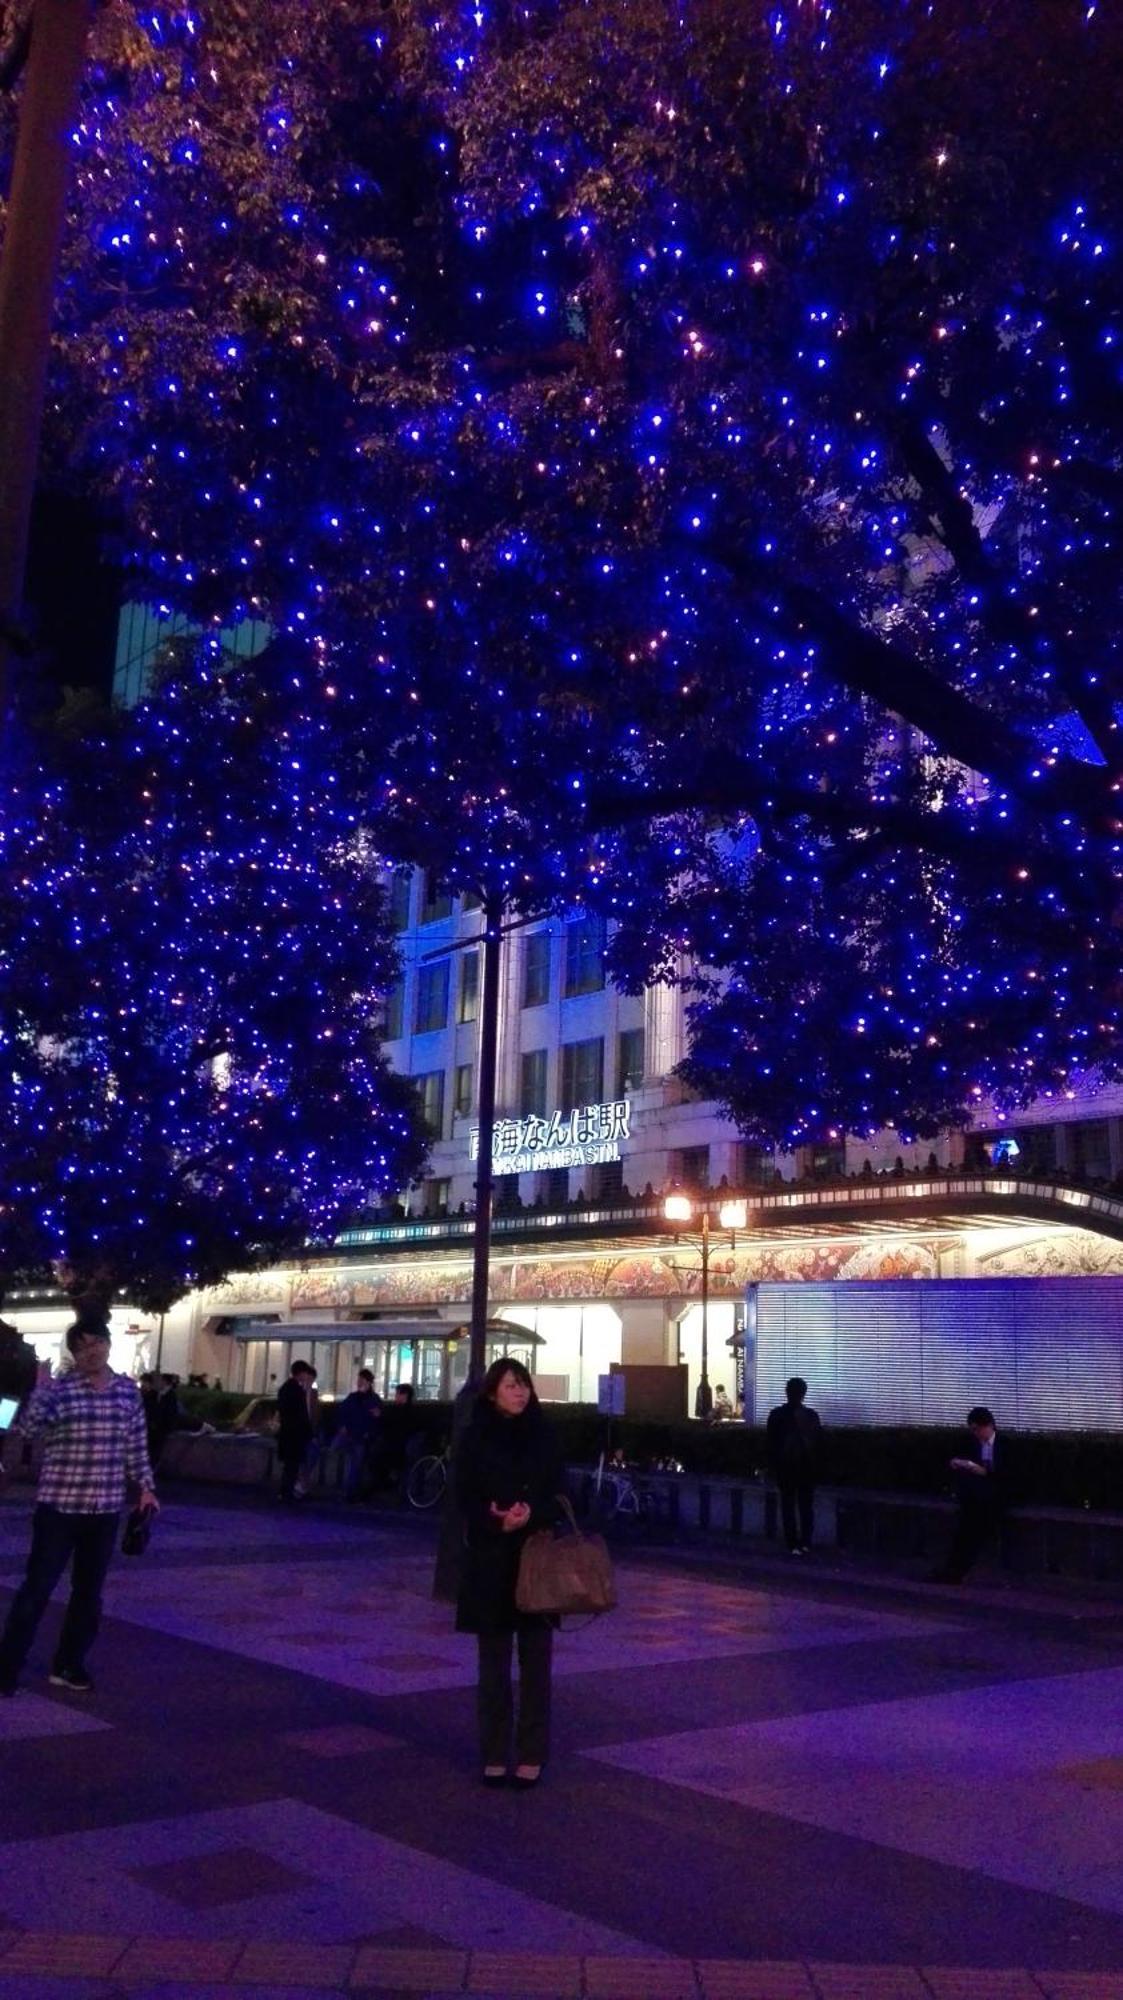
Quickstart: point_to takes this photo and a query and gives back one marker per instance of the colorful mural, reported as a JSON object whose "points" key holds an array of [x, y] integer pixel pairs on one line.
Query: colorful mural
{"points": [[621, 1272]]}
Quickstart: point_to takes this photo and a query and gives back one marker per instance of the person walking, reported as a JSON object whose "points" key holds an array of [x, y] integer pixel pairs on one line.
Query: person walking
{"points": [[979, 1491], [296, 1425], [794, 1441], [508, 1473], [92, 1425]]}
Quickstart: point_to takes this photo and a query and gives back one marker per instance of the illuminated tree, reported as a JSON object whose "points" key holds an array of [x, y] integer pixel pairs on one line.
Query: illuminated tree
{"points": [[688, 442], [193, 943]]}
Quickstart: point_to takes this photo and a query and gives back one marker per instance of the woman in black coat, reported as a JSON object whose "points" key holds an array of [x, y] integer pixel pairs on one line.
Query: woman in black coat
{"points": [[508, 1474]]}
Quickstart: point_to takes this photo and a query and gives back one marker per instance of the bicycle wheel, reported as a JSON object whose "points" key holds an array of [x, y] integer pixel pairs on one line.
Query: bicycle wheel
{"points": [[426, 1482], [606, 1500]]}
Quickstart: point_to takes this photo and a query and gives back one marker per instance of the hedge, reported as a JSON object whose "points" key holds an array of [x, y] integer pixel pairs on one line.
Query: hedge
{"points": [[1057, 1469]]}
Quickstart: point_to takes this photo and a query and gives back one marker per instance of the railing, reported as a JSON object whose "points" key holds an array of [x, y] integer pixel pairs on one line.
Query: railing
{"points": [[850, 1194]]}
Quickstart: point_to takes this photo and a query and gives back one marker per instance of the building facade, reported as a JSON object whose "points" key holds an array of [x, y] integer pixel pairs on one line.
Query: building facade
{"points": [[593, 1130]]}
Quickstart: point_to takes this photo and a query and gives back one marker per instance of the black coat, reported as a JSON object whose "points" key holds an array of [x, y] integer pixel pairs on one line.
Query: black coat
{"points": [[502, 1459], [294, 1420], [794, 1438]]}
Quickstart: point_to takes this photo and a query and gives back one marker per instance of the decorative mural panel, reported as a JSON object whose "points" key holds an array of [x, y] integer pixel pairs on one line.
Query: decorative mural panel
{"points": [[622, 1272], [1069, 1253]]}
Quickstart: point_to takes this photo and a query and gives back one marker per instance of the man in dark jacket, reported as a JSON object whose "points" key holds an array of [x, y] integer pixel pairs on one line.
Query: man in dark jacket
{"points": [[296, 1424], [794, 1438], [979, 1492], [355, 1430]]}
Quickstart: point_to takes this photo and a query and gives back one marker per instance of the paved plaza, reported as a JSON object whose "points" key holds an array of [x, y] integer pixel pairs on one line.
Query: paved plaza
{"points": [[766, 1785]]}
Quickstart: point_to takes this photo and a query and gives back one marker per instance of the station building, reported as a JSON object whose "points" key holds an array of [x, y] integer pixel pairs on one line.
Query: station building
{"points": [[904, 1282]]}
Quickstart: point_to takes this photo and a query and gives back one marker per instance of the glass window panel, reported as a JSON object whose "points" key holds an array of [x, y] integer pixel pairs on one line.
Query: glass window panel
{"points": [[431, 1007], [536, 969]]}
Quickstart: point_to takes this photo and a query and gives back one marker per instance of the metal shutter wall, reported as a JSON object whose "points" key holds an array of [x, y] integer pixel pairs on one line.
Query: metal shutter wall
{"points": [[1046, 1354]]}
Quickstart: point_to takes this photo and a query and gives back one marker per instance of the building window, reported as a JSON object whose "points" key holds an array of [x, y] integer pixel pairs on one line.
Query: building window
{"points": [[430, 1089], [462, 1094], [606, 1181], [1089, 1149], [401, 884], [584, 957], [393, 1019], [436, 903], [755, 1166], [431, 1009], [532, 1084], [536, 969], [582, 1076], [435, 1197], [468, 987], [693, 1167], [630, 1057]]}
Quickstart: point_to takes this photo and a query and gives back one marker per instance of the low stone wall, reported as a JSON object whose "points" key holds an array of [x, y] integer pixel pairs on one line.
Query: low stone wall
{"points": [[1034, 1541], [218, 1458]]}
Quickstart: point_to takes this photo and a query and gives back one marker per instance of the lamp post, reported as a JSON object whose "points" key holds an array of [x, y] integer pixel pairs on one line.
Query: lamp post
{"points": [[732, 1215]]}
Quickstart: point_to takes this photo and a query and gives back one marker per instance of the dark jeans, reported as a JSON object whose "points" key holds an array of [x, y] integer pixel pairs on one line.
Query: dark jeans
{"points": [[291, 1458], [84, 1540], [977, 1522], [797, 1496], [495, 1696]]}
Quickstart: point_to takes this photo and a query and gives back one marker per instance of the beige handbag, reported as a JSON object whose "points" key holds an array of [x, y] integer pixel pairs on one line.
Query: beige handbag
{"points": [[564, 1574]]}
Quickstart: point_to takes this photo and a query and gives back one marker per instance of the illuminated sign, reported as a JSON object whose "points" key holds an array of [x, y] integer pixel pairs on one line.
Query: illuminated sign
{"points": [[587, 1137]]}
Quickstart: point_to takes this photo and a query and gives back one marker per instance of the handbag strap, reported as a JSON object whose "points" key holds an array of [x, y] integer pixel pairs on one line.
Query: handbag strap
{"points": [[566, 1505]]}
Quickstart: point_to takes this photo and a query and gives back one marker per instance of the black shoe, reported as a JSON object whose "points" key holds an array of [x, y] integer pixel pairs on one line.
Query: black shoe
{"points": [[75, 1679], [942, 1576], [523, 1782], [9, 1684], [493, 1779]]}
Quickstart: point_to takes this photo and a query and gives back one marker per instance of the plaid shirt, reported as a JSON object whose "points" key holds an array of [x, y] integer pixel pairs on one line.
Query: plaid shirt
{"points": [[93, 1440]]}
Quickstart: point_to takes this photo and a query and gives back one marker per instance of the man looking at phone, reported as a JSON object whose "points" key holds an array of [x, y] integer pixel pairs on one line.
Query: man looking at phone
{"points": [[93, 1430]]}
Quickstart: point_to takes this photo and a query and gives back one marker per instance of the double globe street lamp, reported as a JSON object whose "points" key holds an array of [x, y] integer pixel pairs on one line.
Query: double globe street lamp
{"points": [[732, 1216]]}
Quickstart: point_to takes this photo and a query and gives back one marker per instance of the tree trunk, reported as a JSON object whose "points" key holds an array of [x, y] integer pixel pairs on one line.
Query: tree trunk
{"points": [[60, 31]]}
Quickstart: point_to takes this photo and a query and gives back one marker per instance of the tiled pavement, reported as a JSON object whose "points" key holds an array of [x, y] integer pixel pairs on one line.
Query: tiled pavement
{"points": [[760, 1791]]}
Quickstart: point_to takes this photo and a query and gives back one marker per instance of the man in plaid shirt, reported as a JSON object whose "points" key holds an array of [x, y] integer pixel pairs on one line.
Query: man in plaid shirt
{"points": [[92, 1425]]}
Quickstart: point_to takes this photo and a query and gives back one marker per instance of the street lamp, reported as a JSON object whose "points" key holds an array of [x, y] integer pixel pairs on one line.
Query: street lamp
{"points": [[732, 1215]]}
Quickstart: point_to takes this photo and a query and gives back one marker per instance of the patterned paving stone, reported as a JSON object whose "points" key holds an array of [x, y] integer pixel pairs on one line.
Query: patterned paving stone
{"points": [[1081, 1985], [726, 1979], [298, 1964], [412, 1971], [227, 1875], [868, 1982], [525, 1973], [1102, 1773], [73, 1957], [640, 1979], [410, 1663], [962, 1983], [180, 1959], [343, 1740]]}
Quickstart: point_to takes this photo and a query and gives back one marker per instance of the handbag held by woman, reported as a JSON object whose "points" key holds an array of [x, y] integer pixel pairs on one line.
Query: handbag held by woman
{"points": [[565, 1574]]}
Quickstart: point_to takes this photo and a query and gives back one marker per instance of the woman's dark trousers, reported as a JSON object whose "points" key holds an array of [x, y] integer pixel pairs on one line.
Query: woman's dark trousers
{"points": [[496, 1705], [86, 1540]]}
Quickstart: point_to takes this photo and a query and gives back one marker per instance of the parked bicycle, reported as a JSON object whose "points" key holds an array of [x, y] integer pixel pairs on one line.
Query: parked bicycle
{"points": [[618, 1495], [428, 1478]]}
